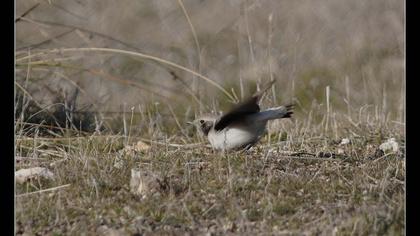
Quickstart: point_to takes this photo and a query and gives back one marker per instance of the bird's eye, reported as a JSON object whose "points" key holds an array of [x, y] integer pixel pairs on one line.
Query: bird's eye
{"points": [[201, 121]]}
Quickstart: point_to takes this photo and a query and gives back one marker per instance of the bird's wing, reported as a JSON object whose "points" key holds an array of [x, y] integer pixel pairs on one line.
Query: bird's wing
{"points": [[247, 107]]}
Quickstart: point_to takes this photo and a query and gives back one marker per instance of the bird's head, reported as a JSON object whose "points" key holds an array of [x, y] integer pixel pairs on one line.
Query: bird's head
{"points": [[204, 123]]}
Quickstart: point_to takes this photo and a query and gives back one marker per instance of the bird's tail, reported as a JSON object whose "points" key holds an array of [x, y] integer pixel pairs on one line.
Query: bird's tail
{"points": [[289, 110], [276, 113]]}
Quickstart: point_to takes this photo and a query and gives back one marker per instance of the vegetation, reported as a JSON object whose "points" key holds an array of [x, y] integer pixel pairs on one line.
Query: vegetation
{"points": [[96, 109]]}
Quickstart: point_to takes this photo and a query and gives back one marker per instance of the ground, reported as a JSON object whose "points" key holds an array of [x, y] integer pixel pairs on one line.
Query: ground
{"points": [[93, 78], [298, 186]]}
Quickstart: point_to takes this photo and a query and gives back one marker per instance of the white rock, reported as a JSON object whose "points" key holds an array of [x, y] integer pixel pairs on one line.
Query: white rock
{"points": [[24, 175], [119, 163], [345, 141], [389, 145]]}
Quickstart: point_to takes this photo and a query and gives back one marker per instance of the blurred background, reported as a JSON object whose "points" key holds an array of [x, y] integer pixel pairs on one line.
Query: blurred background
{"points": [[354, 49]]}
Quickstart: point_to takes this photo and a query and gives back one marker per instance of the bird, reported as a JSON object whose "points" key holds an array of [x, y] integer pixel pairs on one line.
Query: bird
{"points": [[243, 126]]}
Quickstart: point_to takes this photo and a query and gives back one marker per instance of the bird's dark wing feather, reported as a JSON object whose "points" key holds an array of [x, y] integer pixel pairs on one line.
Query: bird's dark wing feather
{"points": [[248, 107]]}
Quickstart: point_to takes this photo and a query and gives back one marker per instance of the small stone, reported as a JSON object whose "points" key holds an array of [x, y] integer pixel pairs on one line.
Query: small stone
{"points": [[389, 146], [345, 141], [24, 175]]}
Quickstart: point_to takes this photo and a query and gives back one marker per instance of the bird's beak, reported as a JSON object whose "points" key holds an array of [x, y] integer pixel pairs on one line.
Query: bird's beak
{"points": [[190, 123]]}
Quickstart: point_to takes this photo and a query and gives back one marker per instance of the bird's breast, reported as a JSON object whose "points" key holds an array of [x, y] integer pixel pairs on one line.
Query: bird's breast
{"points": [[234, 137]]}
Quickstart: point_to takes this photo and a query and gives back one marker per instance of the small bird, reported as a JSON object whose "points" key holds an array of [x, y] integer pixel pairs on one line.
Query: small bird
{"points": [[242, 126]]}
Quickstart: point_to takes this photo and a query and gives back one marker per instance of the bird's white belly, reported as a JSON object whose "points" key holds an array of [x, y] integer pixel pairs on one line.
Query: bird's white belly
{"points": [[231, 138]]}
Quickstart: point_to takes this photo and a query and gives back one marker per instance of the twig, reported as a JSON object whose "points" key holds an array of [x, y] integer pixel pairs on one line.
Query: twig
{"points": [[382, 157], [81, 29], [20, 158], [192, 145], [189, 90], [302, 153], [27, 12], [176, 120], [27, 94], [44, 190], [35, 45], [309, 158]]}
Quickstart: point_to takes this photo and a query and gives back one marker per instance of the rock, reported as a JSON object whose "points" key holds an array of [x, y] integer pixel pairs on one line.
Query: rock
{"points": [[389, 146], [345, 141], [24, 175]]}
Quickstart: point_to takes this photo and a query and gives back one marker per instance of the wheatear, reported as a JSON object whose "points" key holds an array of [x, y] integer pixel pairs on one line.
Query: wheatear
{"points": [[242, 126]]}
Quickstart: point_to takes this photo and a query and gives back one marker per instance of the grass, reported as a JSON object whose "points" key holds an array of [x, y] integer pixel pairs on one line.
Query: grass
{"points": [[275, 188], [91, 83]]}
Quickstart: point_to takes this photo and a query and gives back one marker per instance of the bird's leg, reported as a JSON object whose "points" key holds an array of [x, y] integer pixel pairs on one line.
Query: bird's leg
{"points": [[247, 149], [248, 153]]}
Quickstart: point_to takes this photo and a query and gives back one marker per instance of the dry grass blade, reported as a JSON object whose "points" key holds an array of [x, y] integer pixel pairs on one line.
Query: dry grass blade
{"points": [[130, 53], [197, 44], [337, 168], [27, 93], [43, 190], [27, 12]]}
